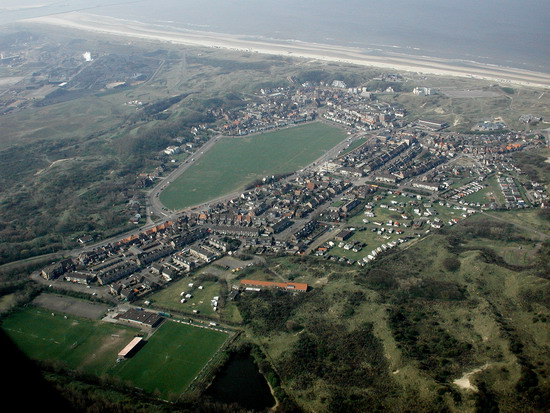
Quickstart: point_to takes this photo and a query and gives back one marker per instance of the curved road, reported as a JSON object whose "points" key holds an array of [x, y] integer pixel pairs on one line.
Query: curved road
{"points": [[155, 207]]}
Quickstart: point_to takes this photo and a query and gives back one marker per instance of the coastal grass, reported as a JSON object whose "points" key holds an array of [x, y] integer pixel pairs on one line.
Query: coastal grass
{"points": [[420, 312], [7, 301], [464, 113], [75, 343], [235, 162], [530, 219], [170, 360], [80, 117]]}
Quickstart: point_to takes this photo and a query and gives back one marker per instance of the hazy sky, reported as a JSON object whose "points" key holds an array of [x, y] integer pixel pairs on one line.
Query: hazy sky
{"points": [[511, 32]]}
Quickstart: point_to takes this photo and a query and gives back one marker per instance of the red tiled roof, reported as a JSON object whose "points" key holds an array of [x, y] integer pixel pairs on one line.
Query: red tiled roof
{"points": [[285, 285]]}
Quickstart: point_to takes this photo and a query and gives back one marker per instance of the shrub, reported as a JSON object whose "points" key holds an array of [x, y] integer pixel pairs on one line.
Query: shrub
{"points": [[451, 264]]}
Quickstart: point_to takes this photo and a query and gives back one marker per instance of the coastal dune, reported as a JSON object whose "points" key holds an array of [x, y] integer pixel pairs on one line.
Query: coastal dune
{"points": [[298, 49]]}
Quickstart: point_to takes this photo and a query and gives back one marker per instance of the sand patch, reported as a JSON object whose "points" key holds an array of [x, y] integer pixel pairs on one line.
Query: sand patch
{"points": [[465, 383], [115, 341], [52, 164], [316, 51]]}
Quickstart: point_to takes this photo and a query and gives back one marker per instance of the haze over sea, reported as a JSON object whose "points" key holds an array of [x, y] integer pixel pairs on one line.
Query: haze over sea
{"points": [[510, 33]]}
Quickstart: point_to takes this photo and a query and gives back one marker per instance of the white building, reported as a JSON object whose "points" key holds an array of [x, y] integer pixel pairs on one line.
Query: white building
{"points": [[422, 91]]}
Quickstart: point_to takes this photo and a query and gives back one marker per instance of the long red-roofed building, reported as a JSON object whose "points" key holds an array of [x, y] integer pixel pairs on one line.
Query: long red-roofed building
{"points": [[287, 286]]}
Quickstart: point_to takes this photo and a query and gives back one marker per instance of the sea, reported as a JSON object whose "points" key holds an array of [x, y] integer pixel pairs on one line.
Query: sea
{"points": [[512, 33]]}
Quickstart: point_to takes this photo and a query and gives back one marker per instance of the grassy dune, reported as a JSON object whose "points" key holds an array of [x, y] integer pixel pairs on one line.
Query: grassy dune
{"points": [[469, 299]]}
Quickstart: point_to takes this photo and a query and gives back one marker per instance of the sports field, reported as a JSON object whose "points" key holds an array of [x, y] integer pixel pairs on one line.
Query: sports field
{"points": [[235, 162], [168, 362], [87, 345], [171, 358]]}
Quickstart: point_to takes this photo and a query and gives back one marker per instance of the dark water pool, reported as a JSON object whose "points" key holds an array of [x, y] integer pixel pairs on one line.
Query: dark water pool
{"points": [[241, 382]]}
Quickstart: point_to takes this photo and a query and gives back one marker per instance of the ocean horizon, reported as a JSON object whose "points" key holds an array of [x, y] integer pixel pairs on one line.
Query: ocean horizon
{"points": [[507, 33]]}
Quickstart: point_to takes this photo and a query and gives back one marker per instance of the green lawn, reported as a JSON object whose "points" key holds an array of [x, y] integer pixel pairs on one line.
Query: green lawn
{"points": [[169, 361], [235, 162], [169, 298], [171, 358], [354, 145], [491, 193], [383, 215], [87, 345]]}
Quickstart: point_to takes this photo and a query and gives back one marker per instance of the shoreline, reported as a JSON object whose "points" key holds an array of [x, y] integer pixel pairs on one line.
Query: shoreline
{"points": [[295, 49]]}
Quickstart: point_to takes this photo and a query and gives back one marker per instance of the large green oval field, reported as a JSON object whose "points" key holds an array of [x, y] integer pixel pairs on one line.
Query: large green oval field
{"points": [[235, 162]]}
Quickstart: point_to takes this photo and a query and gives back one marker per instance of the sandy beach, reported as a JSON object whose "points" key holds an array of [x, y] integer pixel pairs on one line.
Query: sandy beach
{"points": [[315, 51]]}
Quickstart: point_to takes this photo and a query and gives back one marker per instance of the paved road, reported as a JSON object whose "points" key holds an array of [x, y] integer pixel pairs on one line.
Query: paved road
{"points": [[154, 205], [157, 208]]}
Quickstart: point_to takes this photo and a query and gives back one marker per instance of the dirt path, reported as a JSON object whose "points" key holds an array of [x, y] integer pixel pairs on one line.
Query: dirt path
{"points": [[522, 226], [52, 164]]}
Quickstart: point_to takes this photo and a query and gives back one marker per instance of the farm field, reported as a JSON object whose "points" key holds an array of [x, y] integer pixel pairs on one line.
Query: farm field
{"points": [[235, 162], [83, 344], [171, 358]]}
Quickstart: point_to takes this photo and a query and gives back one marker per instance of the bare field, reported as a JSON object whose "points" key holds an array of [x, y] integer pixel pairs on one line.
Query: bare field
{"points": [[69, 305]]}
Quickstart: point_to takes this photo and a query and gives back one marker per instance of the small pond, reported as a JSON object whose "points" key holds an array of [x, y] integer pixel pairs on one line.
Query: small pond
{"points": [[241, 382]]}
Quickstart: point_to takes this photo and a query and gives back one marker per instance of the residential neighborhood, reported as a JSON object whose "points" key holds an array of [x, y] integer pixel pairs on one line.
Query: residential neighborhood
{"points": [[393, 183]]}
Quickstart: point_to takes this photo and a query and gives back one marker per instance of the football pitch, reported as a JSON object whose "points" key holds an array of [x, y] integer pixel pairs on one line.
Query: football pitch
{"points": [[171, 358], [234, 163], [78, 343], [166, 365]]}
